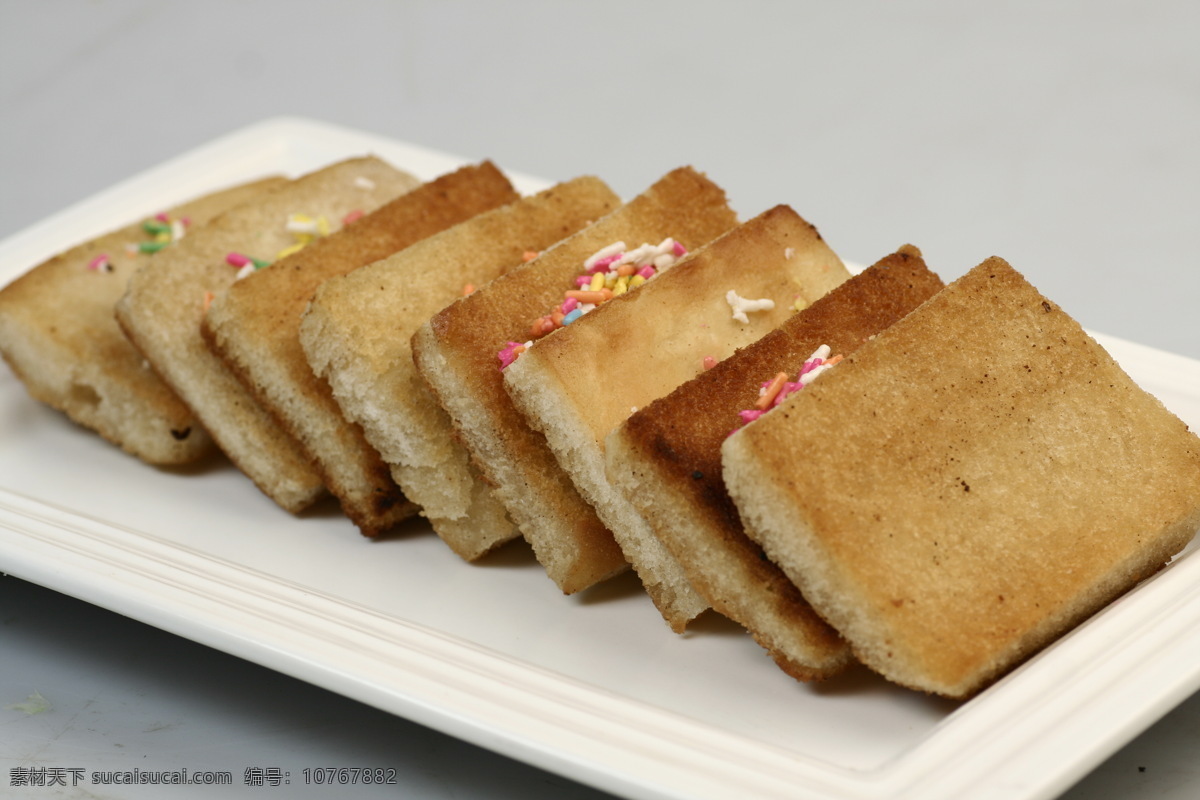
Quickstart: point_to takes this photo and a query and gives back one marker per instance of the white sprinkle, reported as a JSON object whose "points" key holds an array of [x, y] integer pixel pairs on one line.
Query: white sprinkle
{"points": [[642, 255], [604, 252], [821, 352], [244, 271], [788, 252], [741, 305], [364, 183], [178, 229]]}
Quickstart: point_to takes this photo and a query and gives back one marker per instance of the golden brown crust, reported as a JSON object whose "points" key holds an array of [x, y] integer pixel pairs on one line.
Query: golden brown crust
{"points": [[58, 333], [456, 352], [373, 377], [967, 486], [255, 328], [579, 382], [684, 430], [668, 456], [162, 309]]}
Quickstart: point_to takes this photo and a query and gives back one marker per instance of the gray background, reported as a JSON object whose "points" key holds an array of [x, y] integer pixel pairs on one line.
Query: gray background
{"points": [[1061, 136]]}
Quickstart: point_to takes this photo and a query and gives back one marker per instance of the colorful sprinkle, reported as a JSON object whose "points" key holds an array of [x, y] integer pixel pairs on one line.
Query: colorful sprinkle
{"points": [[541, 326], [529, 255], [290, 250], [468, 288], [100, 263], [766, 397], [594, 297], [239, 260], [603, 254], [775, 391], [510, 352], [353, 216], [304, 224], [162, 231], [709, 362], [610, 271]]}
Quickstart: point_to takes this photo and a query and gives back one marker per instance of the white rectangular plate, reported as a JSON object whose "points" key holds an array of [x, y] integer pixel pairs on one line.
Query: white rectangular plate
{"points": [[595, 686]]}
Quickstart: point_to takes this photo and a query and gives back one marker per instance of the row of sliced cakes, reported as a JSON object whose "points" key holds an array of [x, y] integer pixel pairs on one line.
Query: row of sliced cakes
{"points": [[935, 481]]}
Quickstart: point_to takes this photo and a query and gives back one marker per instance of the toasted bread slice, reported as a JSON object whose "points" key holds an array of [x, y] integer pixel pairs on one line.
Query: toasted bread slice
{"points": [[456, 352], [162, 309], [581, 381], [58, 334], [666, 459], [373, 378], [967, 486], [255, 328]]}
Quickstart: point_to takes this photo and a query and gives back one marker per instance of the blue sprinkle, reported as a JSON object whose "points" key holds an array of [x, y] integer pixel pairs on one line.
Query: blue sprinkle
{"points": [[571, 317]]}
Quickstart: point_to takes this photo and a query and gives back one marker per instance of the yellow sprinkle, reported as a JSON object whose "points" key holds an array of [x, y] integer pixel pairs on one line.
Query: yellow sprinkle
{"points": [[162, 237], [597, 282], [636, 281], [323, 226], [799, 305], [287, 251], [620, 287]]}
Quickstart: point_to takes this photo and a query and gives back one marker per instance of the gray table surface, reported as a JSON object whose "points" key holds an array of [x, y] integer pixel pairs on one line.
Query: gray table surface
{"points": [[1061, 136]]}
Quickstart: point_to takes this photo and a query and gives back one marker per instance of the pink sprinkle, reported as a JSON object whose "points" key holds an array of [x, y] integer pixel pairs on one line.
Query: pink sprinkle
{"points": [[680, 250], [236, 260], [508, 354], [603, 264], [750, 414], [788, 388], [583, 280], [809, 366], [709, 362], [187, 221], [100, 262], [569, 305], [162, 217], [353, 216], [647, 271]]}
